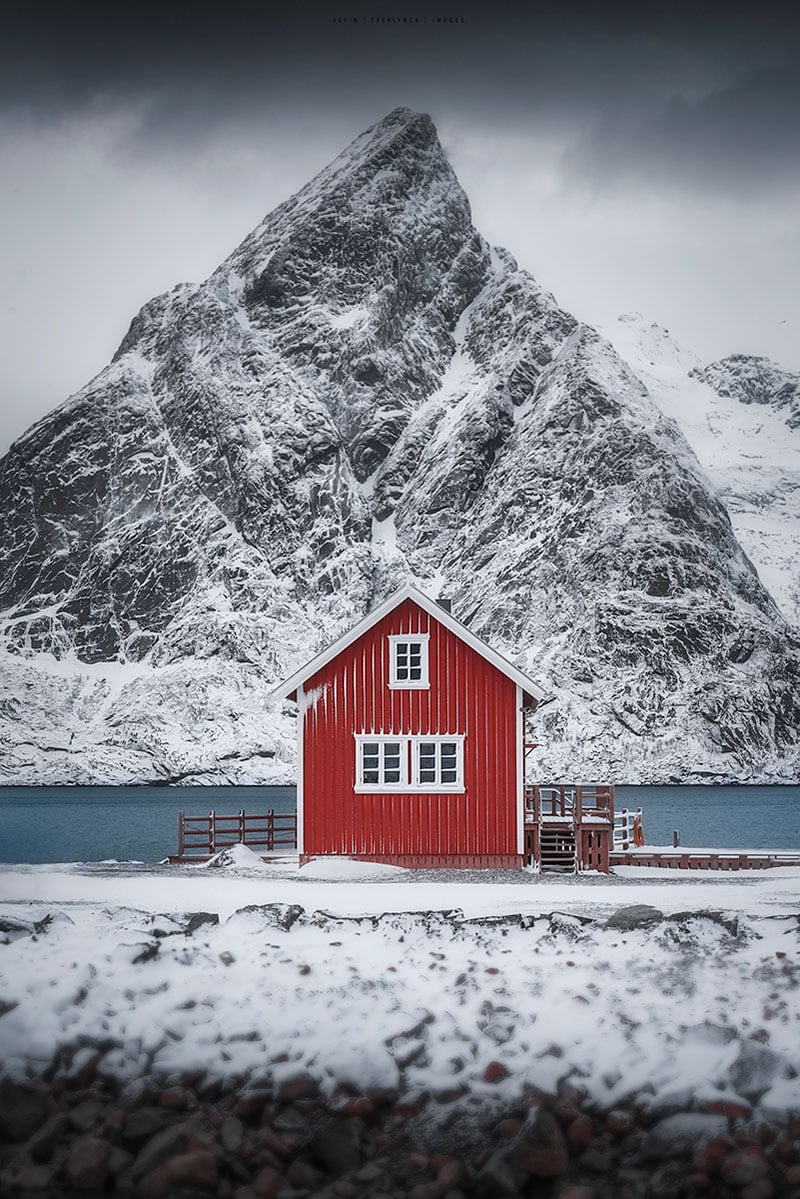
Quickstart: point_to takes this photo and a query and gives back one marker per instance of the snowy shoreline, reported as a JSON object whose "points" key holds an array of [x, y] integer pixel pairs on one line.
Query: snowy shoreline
{"points": [[462, 1002]]}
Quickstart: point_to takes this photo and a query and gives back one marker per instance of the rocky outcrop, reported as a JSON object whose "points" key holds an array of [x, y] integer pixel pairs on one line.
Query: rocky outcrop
{"points": [[753, 380], [366, 390]]}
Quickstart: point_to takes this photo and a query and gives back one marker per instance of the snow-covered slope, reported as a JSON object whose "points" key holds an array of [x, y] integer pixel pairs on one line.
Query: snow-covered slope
{"points": [[363, 390], [742, 418]]}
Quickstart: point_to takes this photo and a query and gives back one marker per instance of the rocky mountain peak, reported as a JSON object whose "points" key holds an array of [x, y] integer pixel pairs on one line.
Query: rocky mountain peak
{"points": [[366, 391]]}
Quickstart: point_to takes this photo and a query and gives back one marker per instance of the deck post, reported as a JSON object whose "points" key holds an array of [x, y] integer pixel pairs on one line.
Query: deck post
{"points": [[242, 836], [271, 830], [212, 833], [181, 818]]}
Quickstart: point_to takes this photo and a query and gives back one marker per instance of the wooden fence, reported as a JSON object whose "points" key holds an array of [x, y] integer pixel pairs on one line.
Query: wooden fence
{"points": [[200, 837]]}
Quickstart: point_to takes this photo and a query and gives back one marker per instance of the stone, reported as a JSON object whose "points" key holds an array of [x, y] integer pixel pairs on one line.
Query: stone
{"points": [[498, 1179], [636, 915], [495, 1072], [196, 1169], [23, 1109], [682, 1134], [144, 1122], [303, 1174], [170, 1142], [755, 1069], [336, 1145], [268, 1183], [87, 1165], [231, 1134], [41, 1144], [580, 1133], [34, 1178], [539, 1148], [762, 1188], [87, 1115], [744, 1166]]}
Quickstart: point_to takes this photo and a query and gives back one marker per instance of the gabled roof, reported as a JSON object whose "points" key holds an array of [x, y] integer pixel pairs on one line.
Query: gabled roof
{"points": [[288, 689]]}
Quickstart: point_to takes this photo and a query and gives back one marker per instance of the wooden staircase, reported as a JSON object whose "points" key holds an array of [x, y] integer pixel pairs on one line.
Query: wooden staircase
{"points": [[558, 848]]}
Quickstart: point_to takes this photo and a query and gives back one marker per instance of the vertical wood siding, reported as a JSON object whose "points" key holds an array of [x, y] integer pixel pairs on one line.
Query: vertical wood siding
{"points": [[467, 696]]}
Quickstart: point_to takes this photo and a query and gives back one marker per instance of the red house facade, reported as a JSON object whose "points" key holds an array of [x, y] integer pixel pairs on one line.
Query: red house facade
{"points": [[411, 745]]}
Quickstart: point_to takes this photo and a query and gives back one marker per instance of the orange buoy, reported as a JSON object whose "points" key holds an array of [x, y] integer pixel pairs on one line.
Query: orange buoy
{"points": [[638, 831]]}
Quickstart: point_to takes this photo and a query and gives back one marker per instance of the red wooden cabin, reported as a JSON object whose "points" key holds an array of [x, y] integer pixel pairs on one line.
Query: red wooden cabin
{"points": [[411, 746]]}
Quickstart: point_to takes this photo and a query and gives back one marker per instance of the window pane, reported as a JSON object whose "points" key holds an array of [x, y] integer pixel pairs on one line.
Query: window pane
{"points": [[370, 747], [370, 776], [415, 649], [449, 747], [416, 673], [427, 749], [401, 651], [402, 672], [392, 747], [392, 776], [427, 776], [448, 776]]}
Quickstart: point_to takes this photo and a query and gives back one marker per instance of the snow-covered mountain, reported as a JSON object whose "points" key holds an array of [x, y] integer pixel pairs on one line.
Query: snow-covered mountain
{"points": [[363, 390], [741, 417]]}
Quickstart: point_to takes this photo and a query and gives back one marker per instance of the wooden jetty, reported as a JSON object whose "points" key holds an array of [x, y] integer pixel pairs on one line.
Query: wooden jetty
{"points": [[704, 859]]}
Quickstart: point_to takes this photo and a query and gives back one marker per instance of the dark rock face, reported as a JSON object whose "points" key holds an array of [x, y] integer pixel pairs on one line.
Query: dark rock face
{"points": [[366, 389], [753, 380]]}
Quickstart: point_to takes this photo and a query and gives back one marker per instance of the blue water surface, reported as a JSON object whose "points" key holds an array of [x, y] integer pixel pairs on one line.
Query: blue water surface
{"points": [[92, 824]]}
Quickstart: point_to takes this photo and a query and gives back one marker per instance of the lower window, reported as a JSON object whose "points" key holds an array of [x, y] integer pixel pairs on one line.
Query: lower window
{"points": [[438, 763], [386, 763]]}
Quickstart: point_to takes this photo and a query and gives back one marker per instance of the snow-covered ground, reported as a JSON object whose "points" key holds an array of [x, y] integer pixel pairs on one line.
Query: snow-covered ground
{"points": [[466, 988]]}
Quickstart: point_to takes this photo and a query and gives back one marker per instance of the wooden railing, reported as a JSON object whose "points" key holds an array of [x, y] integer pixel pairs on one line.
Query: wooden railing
{"points": [[201, 837], [568, 802]]}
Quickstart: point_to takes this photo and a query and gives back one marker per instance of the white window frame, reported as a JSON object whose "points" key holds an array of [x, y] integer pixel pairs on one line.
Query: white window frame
{"points": [[421, 684], [409, 758], [438, 787], [380, 739]]}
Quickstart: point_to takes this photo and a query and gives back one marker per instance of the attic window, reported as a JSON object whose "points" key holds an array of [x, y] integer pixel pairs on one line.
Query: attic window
{"points": [[408, 661]]}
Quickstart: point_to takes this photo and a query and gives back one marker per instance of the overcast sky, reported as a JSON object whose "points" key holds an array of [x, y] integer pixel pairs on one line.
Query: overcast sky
{"points": [[631, 160]]}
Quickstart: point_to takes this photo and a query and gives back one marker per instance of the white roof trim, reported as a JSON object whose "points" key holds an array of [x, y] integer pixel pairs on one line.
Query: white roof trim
{"points": [[287, 689]]}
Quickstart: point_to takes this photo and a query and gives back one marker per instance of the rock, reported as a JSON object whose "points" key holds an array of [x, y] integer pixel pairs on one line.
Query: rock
{"points": [[636, 915], [744, 1166], [170, 1142], [144, 1122], [196, 1170], [302, 1174], [667, 1182], [200, 920], [41, 1144], [495, 1072], [268, 1183], [23, 1109], [755, 1069], [299, 1086], [762, 1188], [498, 1179], [620, 1123], [87, 1115], [176, 1098], [87, 1165], [580, 1133], [539, 1147], [682, 1134], [231, 1134], [34, 1178], [336, 1145]]}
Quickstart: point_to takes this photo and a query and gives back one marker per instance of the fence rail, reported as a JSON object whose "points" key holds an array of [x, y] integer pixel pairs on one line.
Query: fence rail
{"points": [[201, 837]]}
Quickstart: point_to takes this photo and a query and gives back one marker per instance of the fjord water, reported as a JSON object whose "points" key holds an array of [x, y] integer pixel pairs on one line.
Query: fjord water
{"points": [[94, 824]]}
